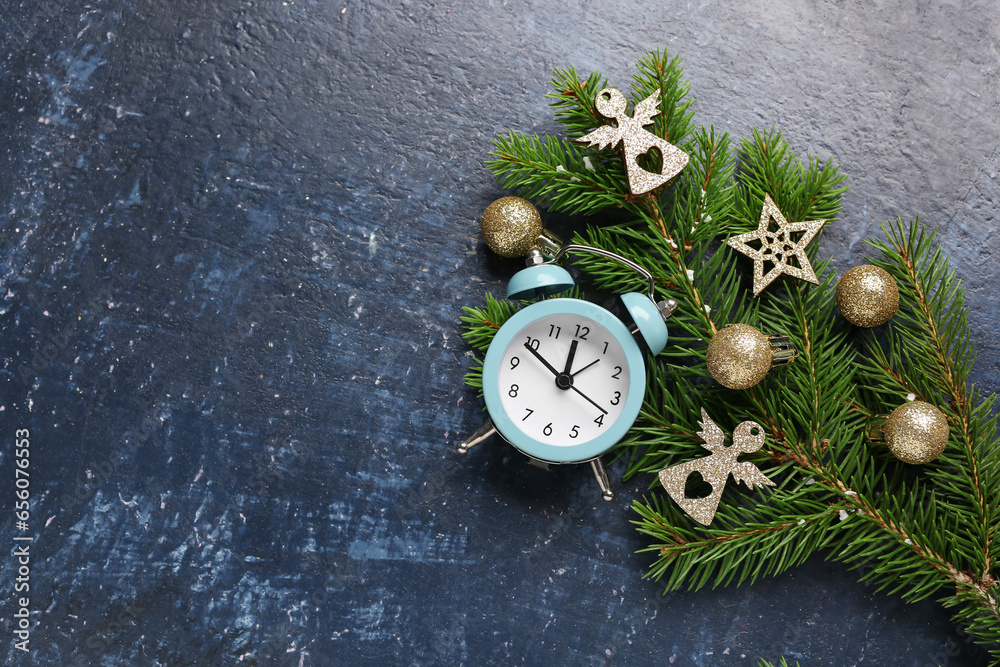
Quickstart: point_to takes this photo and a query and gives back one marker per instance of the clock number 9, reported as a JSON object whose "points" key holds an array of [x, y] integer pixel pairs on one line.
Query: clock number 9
{"points": [[514, 361]]}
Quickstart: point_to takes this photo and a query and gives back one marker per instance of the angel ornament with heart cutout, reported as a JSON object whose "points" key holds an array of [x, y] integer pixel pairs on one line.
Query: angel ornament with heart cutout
{"points": [[635, 139], [715, 469]]}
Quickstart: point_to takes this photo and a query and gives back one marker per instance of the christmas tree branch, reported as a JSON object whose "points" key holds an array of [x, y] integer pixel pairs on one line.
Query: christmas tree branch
{"points": [[917, 532], [573, 101], [937, 312], [662, 75]]}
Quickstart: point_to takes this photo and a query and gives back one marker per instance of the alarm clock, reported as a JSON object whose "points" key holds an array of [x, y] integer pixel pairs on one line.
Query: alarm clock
{"points": [[564, 378]]}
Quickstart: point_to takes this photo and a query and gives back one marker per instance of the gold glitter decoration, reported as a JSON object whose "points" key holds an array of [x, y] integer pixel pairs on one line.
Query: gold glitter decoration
{"points": [[715, 469], [739, 356], [916, 432], [778, 247], [867, 296], [635, 140], [511, 226]]}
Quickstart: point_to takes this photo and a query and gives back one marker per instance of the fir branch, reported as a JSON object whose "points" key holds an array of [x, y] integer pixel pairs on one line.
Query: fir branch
{"points": [[573, 101], [659, 73], [481, 324], [554, 172], [916, 533], [782, 663], [769, 167], [746, 546]]}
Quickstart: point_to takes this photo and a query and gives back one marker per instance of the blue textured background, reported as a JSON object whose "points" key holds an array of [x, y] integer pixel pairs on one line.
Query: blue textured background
{"points": [[236, 238]]}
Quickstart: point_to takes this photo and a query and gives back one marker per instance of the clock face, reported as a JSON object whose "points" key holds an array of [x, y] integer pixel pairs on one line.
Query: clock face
{"points": [[565, 380]]}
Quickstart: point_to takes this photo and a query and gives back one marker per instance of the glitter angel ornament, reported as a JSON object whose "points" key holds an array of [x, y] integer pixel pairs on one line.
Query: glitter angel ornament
{"points": [[635, 140], [715, 469]]}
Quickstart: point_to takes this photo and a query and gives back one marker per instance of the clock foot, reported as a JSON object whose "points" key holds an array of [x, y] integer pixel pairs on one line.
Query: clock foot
{"points": [[538, 463], [602, 479], [484, 432]]}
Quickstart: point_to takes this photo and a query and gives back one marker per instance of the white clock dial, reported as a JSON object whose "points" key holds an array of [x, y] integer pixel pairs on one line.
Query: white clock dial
{"points": [[563, 379]]}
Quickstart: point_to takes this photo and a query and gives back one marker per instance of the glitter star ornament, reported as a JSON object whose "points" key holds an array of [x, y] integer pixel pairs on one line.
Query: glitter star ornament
{"points": [[635, 140], [715, 469], [778, 248]]}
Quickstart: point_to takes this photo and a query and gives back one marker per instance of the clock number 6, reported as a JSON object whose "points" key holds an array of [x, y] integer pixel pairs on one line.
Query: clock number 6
{"points": [[548, 429]]}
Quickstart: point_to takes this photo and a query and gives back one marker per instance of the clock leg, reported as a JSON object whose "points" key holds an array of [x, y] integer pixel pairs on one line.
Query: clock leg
{"points": [[602, 479], [484, 432]]}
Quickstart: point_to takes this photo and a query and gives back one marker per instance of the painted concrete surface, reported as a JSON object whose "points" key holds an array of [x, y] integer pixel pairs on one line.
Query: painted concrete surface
{"points": [[236, 239]]}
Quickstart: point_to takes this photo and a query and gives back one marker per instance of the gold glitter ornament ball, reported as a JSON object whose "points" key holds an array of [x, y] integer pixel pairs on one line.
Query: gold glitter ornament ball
{"points": [[867, 296], [916, 432], [511, 226], [739, 356]]}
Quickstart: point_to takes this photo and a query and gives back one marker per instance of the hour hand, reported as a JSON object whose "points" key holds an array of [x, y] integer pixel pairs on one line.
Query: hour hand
{"points": [[541, 358], [570, 357]]}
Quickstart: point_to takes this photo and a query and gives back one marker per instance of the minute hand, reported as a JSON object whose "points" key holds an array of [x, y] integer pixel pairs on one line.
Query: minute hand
{"points": [[589, 400]]}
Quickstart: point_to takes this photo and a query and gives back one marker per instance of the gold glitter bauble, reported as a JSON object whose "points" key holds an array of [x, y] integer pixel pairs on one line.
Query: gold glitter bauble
{"points": [[511, 226], [867, 296], [739, 356], [916, 432]]}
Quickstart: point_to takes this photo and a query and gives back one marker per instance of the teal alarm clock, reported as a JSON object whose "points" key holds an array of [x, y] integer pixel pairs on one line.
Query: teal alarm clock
{"points": [[564, 378]]}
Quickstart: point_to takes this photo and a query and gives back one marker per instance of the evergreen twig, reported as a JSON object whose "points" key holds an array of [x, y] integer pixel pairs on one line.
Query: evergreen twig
{"points": [[923, 532]]}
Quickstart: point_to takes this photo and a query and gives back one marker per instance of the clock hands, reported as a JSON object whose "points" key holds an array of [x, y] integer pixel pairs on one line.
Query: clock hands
{"points": [[569, 357], [589, 400], [541, 359], [584, 368], [564, 380]]}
